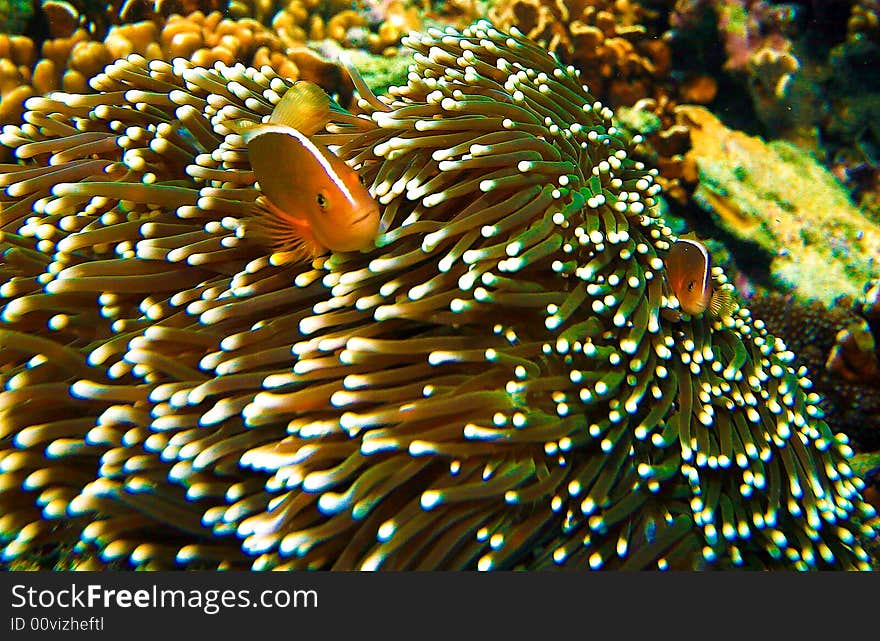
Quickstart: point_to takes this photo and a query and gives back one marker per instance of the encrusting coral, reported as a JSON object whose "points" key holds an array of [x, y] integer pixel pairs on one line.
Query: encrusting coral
{"points": [[780, 198], [503, 382]]}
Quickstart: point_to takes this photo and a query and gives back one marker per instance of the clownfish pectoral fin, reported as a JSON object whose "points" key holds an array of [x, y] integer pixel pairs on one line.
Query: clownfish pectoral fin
{"points": [[722, 304], [304, 107], [289, 237], [672, 315], [242, 126]]}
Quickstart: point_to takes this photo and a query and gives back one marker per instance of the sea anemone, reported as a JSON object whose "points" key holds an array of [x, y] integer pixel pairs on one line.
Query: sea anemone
{"points": [[504, 381]]}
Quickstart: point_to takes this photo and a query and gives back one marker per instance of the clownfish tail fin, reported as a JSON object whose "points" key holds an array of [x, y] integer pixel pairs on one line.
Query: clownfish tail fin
{"points": [[304, 107], [723, 303], [290, 238]]}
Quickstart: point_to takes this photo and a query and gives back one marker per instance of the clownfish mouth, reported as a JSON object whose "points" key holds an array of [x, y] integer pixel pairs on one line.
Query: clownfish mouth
{"points": [[363, 216]]}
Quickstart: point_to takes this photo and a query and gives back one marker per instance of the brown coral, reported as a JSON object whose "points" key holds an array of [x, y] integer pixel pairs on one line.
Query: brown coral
{"points": [[864, 21], [67, 63], [208, 39], [771, 72], [605, 39], [376, 25], [625, 65], [458, 12], [665, 144], [62, 17], [856, 352], [66, 16], [16, 59]]}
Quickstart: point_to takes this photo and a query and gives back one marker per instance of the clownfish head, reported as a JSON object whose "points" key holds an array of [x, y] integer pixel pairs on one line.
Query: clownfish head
{"points": [[688, 271]]}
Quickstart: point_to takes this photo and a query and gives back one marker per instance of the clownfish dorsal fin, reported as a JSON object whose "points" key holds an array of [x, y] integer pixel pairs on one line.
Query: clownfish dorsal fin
{"points": [[304, 107]]}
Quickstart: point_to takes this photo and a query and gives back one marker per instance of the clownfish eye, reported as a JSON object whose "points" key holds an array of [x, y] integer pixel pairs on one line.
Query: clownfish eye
{"points": [[691, 285], [322, 200]]}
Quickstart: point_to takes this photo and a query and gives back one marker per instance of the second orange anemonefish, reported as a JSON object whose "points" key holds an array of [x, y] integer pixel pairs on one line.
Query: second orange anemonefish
{"points": [[689, 274], [312, 201]]}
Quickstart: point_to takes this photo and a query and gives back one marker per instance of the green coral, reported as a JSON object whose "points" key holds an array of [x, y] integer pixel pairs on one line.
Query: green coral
{"points": [[379, 71], [778, 196], [15, 15]]}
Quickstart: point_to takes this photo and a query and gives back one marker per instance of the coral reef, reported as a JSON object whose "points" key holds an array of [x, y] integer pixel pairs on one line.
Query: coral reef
{"points": [[867, 466], [756, 29], [624, 63], [375, 25], [16, 60], [809, 67], [863, 181], [666, 141], [778, 197], [850, 129], [619, 60], [98, 17], [502, 382], [380, 72], [763, 44], [459, 13], [864, 21], [69, 62], [840, 347]]}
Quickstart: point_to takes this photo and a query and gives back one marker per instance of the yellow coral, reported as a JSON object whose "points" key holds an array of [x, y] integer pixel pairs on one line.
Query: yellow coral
{"points": [[604, 39], [347, 24], [68, 63]]}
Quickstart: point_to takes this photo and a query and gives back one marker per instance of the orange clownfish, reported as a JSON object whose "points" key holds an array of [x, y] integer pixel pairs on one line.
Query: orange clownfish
{"points": [[312, 201], [689, 274]]}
